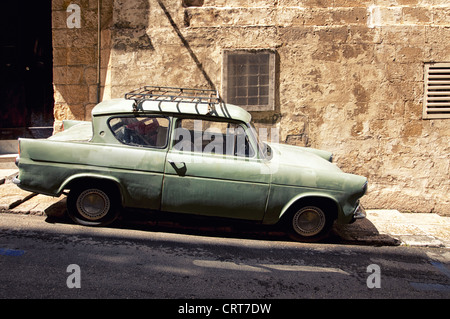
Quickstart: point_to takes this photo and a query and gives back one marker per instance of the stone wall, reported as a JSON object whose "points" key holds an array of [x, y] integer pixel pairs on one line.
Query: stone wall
{"points": [[76, 56], [349, 75]]}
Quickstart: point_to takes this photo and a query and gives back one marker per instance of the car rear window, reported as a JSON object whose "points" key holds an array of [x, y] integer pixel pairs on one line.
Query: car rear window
{"points": [[143, 131]]}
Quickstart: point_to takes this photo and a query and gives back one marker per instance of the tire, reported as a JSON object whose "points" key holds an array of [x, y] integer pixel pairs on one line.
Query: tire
{"points": [[93, 205], [309, 224]]}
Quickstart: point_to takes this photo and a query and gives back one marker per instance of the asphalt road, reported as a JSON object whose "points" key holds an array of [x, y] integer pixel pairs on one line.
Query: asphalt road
{"points": [[48, 258]]}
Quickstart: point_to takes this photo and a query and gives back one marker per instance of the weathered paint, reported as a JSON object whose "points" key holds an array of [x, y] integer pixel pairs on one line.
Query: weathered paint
{"points": [[254, 188]]}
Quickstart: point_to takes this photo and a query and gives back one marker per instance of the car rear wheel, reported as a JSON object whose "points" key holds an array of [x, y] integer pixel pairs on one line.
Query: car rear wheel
{"points": [[309, 223], [92, 205]]}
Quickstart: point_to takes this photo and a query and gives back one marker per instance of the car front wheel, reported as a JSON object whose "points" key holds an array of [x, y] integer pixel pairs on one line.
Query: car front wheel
{"points": [[92, 205], [309, 223]]}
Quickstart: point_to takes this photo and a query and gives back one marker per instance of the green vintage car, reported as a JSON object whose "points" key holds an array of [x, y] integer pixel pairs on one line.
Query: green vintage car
{"points": [[186, 151]]}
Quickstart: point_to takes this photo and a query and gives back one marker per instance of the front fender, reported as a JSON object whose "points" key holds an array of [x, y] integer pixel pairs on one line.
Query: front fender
{"points": [[274, 217], [307, 196]]}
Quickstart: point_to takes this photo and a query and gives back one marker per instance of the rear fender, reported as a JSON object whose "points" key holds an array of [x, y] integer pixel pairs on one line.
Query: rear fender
{"points": [[80, 179]]}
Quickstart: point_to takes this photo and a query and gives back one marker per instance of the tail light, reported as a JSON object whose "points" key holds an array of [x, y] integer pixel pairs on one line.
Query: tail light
{"points": [[18, 154]]}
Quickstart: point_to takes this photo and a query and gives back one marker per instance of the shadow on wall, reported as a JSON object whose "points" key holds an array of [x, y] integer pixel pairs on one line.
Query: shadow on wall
{"points": [[185, 42], [79, 67], [78, 84]]}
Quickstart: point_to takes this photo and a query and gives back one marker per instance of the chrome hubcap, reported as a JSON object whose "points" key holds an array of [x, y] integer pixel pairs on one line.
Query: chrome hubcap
{"points": [[93, 204], [308, 221]]}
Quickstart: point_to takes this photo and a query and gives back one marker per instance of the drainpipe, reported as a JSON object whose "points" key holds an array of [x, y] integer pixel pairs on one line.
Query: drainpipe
{"points": [[99, 39]]}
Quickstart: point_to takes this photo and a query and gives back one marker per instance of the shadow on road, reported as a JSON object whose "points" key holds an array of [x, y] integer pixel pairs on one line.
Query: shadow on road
{"points": [[362, 232]]}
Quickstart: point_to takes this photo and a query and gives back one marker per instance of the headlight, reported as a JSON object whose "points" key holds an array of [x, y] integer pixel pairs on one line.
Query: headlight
{"points": [[366, 185]]}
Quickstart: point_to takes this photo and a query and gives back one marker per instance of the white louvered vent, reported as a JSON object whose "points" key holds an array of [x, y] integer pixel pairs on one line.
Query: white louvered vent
{"points": [[436, 102]]}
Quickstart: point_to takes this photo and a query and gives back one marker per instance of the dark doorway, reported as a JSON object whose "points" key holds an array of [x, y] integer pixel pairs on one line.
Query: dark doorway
{"points": [[26, 90]]}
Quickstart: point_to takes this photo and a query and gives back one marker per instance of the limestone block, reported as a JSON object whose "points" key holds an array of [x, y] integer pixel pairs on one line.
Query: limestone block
{"points": [[64, 111], [81, 56], [68, 75], [59, 56], [349, 16], [59, 18], [441, 15], [71, 94], [417, 15]]}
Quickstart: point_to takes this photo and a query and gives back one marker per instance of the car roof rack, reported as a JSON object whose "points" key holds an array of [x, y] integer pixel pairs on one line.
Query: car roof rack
{"points": [[173, 94]]}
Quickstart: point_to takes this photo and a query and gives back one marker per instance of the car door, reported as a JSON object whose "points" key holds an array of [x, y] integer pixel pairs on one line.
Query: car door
{"points": [[138, 162], [212, 169]]}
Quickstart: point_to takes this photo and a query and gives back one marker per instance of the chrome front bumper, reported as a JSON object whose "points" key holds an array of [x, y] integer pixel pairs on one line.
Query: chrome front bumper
{"points": [[359, 213]]}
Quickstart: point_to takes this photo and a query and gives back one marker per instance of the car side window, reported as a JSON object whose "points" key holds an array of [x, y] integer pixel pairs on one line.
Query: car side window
{"points": [[212, 137], [144, 131]]}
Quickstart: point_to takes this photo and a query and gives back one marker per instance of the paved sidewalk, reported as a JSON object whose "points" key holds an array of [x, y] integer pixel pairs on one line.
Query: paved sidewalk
{"points": [[381, 227], [390, 227]]}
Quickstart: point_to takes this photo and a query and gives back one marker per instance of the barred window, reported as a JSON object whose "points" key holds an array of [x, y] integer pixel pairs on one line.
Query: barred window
{"points": [[249, 79]]}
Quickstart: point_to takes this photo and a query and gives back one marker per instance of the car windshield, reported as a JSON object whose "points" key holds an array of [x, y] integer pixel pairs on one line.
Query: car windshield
{"points": [[263, 148]]}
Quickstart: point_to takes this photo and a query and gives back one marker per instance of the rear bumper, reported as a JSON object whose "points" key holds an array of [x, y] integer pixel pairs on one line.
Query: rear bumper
{"points": [[16, 180]]}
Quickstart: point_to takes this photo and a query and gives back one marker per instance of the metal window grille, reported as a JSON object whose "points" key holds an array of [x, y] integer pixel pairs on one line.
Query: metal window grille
{"points": [[249, 79], [436, 102]]}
